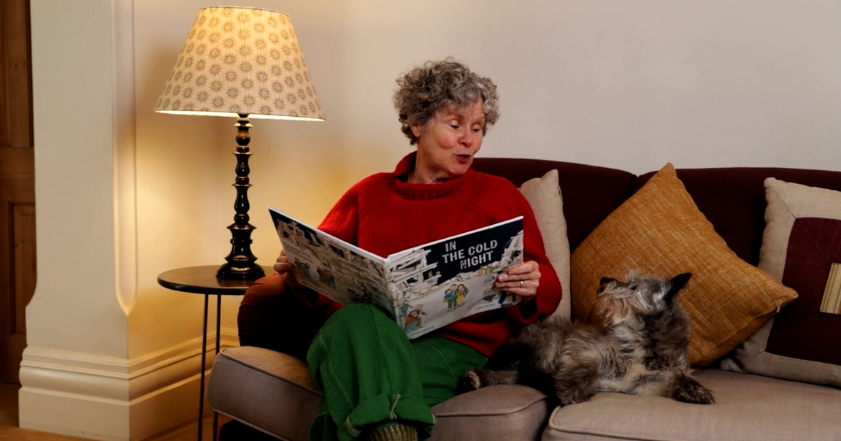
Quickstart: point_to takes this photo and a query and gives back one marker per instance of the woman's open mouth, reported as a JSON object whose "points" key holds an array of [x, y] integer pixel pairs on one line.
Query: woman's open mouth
{"points": [[463, 159]]}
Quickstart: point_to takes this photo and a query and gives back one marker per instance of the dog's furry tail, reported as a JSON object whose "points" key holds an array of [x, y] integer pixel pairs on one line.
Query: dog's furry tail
{"points": [[478, 378], [512, 363], [502, 368]]}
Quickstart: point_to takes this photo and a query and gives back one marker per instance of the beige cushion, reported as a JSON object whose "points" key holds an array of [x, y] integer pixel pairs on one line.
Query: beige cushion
{"points": [[267, 390], [544, 196], [748, 408], [493, 413], [800, 243], [660, 230], [274, 393]]}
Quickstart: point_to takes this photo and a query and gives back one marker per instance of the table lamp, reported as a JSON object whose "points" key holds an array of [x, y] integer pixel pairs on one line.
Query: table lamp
{"points": [[244, 63]]}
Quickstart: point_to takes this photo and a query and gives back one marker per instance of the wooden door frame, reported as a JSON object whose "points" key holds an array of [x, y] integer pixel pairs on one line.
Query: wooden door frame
{"points": [[17, 184]]}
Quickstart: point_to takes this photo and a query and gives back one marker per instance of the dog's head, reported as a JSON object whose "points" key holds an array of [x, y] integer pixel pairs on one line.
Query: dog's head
{"points": [[639, 295]]}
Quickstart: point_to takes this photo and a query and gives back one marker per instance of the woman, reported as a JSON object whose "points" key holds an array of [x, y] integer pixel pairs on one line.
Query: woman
{"points": [[461, 293], [377, 384]]}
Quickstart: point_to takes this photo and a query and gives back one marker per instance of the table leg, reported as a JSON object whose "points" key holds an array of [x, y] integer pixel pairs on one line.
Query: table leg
{"points": [[203, 361], [218, 338]]}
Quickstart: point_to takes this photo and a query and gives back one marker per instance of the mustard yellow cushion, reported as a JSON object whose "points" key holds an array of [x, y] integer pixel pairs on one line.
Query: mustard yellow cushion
{"points": [[660, 230]]}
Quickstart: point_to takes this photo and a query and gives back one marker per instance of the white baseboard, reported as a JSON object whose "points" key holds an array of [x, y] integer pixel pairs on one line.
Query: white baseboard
{"points": [[107, 398]]}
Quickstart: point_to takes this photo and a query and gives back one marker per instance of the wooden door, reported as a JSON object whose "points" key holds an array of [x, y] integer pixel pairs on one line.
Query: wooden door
{"points": [[17, 185]]}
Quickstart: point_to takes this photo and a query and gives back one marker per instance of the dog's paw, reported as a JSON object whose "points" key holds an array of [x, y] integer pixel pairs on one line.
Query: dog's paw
{"points": [[690, 391], [700, 395], [469, 382]]}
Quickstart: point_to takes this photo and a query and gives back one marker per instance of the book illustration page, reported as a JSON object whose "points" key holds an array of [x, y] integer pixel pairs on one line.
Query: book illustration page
{"points": [[440, 283], [331, 266]]}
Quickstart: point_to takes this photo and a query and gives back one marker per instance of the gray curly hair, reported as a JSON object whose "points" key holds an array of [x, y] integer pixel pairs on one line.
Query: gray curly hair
{"points": [[436, 85]]}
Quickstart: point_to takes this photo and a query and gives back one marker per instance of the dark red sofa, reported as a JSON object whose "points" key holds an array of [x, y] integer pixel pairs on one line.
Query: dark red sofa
{"points": [[261, 388]]}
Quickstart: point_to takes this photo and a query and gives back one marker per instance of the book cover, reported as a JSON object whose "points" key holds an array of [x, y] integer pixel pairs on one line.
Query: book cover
{"points": [[421, 288]]}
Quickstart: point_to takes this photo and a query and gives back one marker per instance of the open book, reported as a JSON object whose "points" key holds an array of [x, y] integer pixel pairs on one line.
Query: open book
{"points": [[422, 288]]}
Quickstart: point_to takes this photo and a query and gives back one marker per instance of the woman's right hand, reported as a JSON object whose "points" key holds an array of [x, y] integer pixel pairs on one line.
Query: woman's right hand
{"points": [[284, 268]]}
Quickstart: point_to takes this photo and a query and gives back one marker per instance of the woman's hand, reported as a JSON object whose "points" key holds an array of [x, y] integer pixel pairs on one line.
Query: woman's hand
{"points": [[522, 279], [284, 268]]}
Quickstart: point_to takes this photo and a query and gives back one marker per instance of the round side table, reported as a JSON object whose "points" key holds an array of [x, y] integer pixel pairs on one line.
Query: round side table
{"points": [[203, 280]]}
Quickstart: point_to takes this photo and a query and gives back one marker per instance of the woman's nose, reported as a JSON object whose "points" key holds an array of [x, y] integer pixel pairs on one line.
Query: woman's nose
{"points": [[467, 139]]}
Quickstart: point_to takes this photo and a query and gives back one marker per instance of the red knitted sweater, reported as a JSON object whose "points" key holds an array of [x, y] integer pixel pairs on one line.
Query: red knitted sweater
{"points": [[383, 214]]}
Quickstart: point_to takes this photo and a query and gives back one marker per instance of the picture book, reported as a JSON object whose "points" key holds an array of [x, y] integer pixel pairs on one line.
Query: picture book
{"points": [[421, 288]]}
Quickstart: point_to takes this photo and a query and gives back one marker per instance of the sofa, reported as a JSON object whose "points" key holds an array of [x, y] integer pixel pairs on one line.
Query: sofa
{"points": [[264, 386]]}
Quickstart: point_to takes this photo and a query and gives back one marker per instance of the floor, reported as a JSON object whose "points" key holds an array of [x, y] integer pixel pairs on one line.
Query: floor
{"points": [[9, 429]]}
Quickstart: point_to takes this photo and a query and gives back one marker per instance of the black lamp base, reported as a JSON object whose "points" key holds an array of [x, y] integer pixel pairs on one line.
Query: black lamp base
{"points": [[241, 262], [249, 271]]}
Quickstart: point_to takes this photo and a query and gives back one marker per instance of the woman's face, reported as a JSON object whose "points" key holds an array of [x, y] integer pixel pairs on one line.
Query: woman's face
{"points": [[447, 143]]}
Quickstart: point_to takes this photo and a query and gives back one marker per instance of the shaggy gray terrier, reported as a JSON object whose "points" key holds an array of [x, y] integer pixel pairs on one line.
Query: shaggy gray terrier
{"points": [[641, 348]]}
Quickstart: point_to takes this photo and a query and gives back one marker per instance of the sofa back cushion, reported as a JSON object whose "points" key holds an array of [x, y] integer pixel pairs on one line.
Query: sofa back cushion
{"points": [[554, 188], [589, 193], [733, 199]]}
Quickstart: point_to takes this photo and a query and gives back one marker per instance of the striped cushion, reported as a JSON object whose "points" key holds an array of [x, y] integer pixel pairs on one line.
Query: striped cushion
{"points": [[801, 246]]}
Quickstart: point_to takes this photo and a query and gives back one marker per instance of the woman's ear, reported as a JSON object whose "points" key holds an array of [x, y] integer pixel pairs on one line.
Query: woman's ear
{"points": [[417, 129]]}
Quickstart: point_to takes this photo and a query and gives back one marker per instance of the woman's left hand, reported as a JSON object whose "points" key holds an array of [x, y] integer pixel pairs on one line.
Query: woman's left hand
{"points": [[522, 279]]}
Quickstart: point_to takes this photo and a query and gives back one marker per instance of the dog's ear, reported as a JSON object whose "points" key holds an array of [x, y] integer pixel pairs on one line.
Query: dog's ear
{"points": [[677, 282], [603, 283]]}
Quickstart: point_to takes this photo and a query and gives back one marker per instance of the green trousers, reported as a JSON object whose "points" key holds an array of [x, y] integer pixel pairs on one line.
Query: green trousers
{"points": [[371, 374]]}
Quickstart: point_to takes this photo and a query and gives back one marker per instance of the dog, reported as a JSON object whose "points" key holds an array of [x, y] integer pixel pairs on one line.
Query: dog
{"points": [[640, 348]]}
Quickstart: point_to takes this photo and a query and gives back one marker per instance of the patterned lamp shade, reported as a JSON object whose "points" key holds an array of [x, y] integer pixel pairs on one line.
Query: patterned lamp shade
{"points": [[241, 61]]}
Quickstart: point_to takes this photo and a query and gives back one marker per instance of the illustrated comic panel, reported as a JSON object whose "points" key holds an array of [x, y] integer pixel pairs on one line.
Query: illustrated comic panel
{"points": [[330, 266], [439, 284]]}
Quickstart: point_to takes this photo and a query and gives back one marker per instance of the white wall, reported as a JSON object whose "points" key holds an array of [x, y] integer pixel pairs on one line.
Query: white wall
{"points": [[624, 84], [621, 84]]}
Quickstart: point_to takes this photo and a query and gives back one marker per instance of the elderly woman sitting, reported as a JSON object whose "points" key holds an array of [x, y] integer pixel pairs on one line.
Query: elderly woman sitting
{"points": [[377, 383]]}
